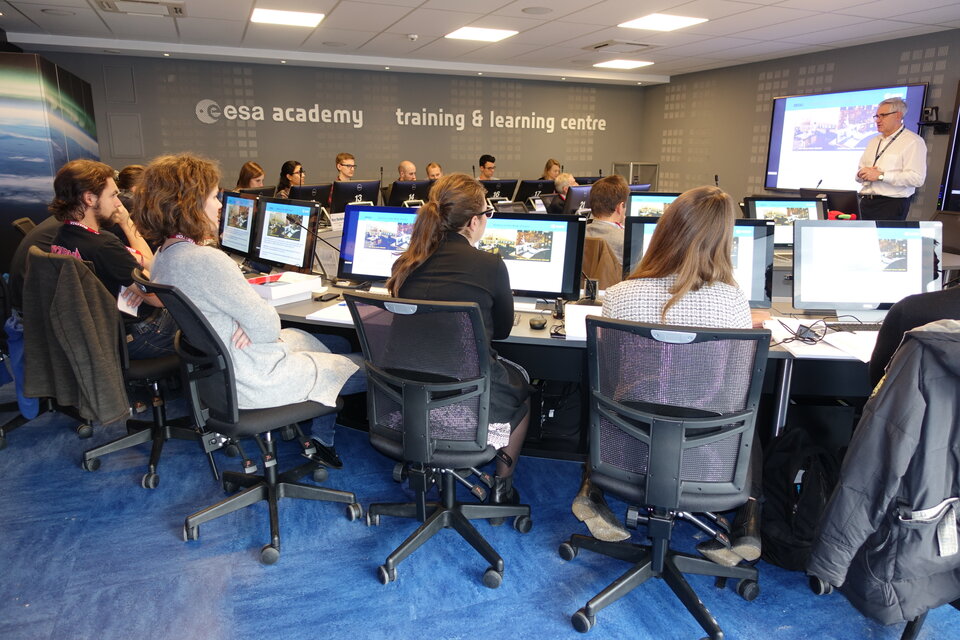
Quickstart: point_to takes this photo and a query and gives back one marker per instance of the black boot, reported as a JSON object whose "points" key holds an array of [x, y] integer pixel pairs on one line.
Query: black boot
{"points": [[503, 493]]}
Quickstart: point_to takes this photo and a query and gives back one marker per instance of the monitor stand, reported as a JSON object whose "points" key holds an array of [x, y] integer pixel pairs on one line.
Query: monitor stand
{"points": [[866, 315]]}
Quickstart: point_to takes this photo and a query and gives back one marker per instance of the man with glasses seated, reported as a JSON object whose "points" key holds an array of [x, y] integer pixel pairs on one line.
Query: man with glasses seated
{"points": [[892, 166], [346, 166]]}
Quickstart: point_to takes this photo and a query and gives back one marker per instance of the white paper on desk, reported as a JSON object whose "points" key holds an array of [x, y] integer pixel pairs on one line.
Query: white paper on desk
{"points": [[858, 344], [123, 305], [820, 350], [575, 320], [335, 313]]}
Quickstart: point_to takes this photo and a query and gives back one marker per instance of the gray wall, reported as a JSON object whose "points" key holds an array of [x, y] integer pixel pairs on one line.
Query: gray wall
{"points": [[146, 107], [718, 122]]}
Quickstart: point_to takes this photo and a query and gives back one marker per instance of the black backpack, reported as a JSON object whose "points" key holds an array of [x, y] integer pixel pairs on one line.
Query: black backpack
{"points": [[799, 476]]}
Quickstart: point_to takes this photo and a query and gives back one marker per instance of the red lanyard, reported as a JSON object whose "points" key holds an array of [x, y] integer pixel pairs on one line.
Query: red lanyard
{"points": [[82, 226]]}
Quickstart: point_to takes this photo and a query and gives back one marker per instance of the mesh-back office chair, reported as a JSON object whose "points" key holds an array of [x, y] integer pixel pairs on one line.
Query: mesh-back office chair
{"points": [[17, 419], [82, 358], [208, 373], [672, 415], [428, 395]]}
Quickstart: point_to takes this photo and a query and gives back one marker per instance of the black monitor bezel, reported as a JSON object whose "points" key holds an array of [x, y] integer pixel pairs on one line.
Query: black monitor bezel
{"points": [[311, 230], [585, 180], [528, 189], [418, 190], [640, 188], [266, 192], [750, 209], [569, 208], [366, 187], [834, 197], [506, 188], [648, 193], [350, 215], [254, 220], [323, 190]]}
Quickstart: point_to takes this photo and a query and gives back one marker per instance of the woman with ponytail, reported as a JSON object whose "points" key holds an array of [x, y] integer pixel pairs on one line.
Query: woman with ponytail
{"points": [[442, 263]]}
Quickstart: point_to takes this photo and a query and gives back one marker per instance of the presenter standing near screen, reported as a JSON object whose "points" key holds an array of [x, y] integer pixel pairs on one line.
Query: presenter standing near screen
{"points": [[892, 166]]}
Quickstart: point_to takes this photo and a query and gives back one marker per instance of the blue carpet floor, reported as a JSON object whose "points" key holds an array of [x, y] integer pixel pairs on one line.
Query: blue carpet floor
{"points": [[93, 555]]}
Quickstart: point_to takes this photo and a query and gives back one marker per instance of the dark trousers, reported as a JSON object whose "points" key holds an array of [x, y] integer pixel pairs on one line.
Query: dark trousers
{"points": [[884, 208]]}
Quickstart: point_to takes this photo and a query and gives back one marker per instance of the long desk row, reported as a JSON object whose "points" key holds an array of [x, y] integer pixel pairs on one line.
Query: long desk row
{"points": [[548, 358]]}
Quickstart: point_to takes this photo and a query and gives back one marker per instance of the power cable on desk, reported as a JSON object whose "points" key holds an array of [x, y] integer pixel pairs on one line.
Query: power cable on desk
{"points": [[807, 334]]}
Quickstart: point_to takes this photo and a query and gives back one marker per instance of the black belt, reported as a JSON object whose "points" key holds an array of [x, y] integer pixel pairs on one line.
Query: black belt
{"points": [[873, 196]]}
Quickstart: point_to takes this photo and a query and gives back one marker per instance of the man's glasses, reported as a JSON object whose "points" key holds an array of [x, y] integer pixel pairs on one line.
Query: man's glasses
{"points": [[878, 116], [487, 212], [349, 166]]}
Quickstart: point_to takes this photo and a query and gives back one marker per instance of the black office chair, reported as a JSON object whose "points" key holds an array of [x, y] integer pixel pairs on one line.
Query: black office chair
{"points": [[17, 420], [428, 381], [208, 373], [672, 413]]}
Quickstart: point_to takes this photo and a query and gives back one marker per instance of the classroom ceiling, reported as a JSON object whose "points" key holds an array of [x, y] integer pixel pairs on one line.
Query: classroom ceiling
{"points": [[558, 39]]}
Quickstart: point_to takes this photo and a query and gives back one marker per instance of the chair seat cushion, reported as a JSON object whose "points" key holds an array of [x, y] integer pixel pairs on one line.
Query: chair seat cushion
{"points": [[153, 368], [443, 459], [254, 421], [698, 502]]}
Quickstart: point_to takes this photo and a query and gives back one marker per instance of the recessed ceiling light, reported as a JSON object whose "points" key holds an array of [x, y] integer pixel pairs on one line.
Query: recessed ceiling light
{"points": [[563, 78], [387, 68], [287, 18], [58, 12], [661, 22], [622, 64], [537, 11], [283, 62], [478, 33], [479, 73], [166, 55]]}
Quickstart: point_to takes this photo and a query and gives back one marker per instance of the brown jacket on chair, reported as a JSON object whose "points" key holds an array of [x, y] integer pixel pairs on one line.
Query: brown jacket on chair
{"points": [[600, 263], [72, 334]]}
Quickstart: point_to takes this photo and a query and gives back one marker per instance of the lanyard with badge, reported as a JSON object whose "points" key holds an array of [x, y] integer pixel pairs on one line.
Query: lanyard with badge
{"points": [[880, 151]]}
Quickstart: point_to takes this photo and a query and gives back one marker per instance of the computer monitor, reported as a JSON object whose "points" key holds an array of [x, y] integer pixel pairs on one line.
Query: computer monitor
{"points": [[346, 192], [373, 238], [863, 267], [537, 204], [578, 199], [543, 253], [751, 254], [238, 222], [404, 190], [499, 188], [286, 233], [837, 199], [587, 179], [649, 203], [316, 192], [532, 189], [784, 211], [260, 191], [639, 188]]}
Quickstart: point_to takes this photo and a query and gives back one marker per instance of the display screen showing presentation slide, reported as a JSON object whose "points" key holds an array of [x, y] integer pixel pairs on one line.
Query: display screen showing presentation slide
{"points": [[784, 212], [373, 238], [542, 252], [751, 254], [649, 204], [817, 140], [863, 265], [237, 220], [286, 232]]}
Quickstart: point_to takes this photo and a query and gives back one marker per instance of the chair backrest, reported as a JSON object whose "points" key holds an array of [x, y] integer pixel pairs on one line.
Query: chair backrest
{"points": [[23, 225], [428, 373], [208, 368], [672, 409], [600, 263]]}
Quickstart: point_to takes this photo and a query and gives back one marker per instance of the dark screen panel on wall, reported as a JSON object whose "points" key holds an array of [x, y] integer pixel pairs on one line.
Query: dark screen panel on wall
{"points": [[816, 140], [949, 196]]}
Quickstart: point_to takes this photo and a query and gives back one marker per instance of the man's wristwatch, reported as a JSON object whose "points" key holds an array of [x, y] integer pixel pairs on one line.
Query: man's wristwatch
{"points": [[880, 177]]}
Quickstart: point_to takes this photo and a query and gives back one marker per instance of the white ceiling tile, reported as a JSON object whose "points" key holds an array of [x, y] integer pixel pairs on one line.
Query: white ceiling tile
{"points": [[856, 31], [84, 22], [797, 28], [467, 6], [559, 8], [13, 20], [350, 40], [556, 32], [207, 31], [273, 36], [433, 23], [820, 5], [58, 3], [753, 19], [362, 16], [220, 9], [889, 8], [445, 48], [159, 29], [706, 46], [937, 16]]}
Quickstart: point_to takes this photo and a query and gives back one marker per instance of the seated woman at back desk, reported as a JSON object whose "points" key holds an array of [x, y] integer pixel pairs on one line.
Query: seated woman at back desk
{"points": [[686, 279], [251, 176], [178, 206]]}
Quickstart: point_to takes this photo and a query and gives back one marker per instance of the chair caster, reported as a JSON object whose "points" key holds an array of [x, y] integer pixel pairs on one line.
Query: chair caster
{"points": [[354, 511], [523, 524], [150, 480], [748, 590], [90, 465], [320, 474], [820, 587], [492, 578], [582, 622], [84, 431], [190, 533], [231, 450], [399, 472], [373, 519], [269, 554], [229, 486], [288, 433], [386, 576], [567, 551]]}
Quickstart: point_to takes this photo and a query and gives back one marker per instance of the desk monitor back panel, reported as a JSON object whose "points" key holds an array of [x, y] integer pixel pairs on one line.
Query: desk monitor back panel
{"points": [[404, 190], [345, 193], [543, 253], [752, 254], [837, 199], [315, 192], [951, 229], [533, 188], [499, 188], [238, 223], [286, 233], [373, 238], [650, 203], [578, 198], [784, 211], [260, 191], [863, 267], [639, 188], [586, 179]]}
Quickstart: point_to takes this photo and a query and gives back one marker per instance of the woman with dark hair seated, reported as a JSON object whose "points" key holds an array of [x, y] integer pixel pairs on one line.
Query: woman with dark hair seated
{"points": [[291, 175], [442, 263]]}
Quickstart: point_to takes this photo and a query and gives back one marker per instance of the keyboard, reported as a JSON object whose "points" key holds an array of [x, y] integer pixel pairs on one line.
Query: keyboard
{"points": [[854, 326]]}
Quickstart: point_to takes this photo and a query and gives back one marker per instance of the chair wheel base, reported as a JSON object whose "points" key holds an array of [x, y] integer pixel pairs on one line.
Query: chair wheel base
{"points": [[150, 480], [567, 551], [269, 554], [748, 590], [190, 533], [820, 587], [582, 622], [84, 431], [386, 576], [90, 465], [492, 578], [320, 474], [523, 524], [373, 519], [354, 511]]}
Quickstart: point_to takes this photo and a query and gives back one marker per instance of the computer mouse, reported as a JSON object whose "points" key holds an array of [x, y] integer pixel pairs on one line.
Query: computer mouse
{"points": [[538, 322]]}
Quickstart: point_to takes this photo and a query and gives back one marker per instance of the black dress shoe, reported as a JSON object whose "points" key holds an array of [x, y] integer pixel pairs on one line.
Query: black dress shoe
{"points": [[324, 455]]}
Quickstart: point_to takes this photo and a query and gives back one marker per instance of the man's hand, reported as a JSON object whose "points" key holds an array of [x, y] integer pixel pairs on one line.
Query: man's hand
{"points": [[870, 174], [240, 338]]}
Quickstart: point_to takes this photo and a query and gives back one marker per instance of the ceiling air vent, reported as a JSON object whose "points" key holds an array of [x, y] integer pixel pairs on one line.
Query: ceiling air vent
{"points": [[144, 8], [618, 46]]}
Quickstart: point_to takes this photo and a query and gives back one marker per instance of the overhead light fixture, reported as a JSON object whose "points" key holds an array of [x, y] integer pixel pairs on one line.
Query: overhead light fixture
{"points": [[286, 18], [283, 62], [661, 22], [166, 55], [622, 64], [481, 34]]}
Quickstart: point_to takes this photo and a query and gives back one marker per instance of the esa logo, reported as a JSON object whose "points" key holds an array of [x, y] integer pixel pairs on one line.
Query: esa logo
{"points": [[209, 112]]}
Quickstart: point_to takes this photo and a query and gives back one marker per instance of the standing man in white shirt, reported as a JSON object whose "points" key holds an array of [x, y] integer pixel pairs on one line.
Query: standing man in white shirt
{"points": [[892, 166]]}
